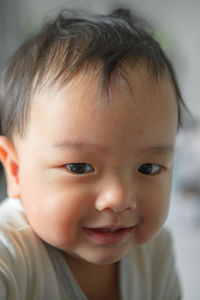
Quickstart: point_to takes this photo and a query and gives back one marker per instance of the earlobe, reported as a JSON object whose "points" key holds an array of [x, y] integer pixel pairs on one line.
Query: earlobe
{"points": [[9, 159]]}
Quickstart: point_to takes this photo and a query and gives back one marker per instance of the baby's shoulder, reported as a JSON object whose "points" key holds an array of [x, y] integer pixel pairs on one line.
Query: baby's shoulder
{"points": [[23, 255], [12, 215], [18, 242]]}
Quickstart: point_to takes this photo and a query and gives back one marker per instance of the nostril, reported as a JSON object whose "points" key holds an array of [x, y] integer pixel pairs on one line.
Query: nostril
{"points": [[116, 202]]}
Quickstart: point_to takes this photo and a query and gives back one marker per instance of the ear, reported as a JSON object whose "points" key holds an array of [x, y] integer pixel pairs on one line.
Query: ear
{"points": [[9, 159]]}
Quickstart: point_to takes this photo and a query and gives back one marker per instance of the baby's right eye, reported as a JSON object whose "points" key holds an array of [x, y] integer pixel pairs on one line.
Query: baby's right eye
{"points": [[80, 168]]}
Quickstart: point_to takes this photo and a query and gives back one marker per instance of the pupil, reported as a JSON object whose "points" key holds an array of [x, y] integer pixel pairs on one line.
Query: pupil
{"points": [[78, 168], [147, 169]]}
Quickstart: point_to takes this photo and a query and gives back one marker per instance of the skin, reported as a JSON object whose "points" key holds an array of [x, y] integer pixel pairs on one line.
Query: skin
{"points": [[68, 126]]}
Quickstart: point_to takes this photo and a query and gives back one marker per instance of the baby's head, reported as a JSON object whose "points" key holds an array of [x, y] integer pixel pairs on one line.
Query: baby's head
{"points": [[89, 110]]}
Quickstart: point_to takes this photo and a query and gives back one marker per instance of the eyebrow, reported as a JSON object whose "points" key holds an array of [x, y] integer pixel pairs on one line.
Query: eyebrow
{"points": [[81, 145], [159, 149], [168, 149]]}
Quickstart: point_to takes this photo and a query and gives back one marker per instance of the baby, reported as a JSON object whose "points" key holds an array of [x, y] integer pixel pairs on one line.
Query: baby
{"points": [[90, 108]]}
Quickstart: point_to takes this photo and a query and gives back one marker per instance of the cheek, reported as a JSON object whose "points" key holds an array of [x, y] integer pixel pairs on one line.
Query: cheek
{"points": [[156, 209], [54, 220], [157, 204], [153, 211], [55, 209]]}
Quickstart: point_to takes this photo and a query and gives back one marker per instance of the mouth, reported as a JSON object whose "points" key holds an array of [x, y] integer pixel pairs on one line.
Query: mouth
{"points": [[108, 235]]}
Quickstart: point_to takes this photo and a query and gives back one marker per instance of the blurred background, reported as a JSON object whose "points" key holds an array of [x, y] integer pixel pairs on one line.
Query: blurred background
{"points": [[176, 25]]}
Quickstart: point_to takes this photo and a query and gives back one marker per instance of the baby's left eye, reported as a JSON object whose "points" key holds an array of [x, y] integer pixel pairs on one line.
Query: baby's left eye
{"points": [[80, 168], [149, 169]]}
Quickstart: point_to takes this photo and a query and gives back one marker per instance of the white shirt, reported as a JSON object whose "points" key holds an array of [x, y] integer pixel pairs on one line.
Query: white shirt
{"points": [[30, 269]]}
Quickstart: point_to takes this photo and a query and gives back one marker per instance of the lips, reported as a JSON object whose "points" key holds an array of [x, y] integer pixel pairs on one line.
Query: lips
{"points": [[108, 235]]}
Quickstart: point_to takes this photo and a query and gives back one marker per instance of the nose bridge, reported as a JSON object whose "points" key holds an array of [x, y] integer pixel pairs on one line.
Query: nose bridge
{"points": [[117, 194]]}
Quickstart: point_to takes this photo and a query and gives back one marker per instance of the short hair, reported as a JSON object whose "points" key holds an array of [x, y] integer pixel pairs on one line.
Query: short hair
{"points": [[62, 47]]}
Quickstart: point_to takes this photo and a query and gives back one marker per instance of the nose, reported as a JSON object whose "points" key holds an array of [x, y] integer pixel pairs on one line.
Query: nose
{"points": [[117, 196]]}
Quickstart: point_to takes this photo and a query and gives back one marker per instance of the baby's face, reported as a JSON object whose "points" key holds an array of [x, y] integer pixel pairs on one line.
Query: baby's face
{"points": [[95, 179]]}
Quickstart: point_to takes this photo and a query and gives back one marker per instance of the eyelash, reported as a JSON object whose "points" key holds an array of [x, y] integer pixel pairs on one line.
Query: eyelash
{"points": [[147, 169]]}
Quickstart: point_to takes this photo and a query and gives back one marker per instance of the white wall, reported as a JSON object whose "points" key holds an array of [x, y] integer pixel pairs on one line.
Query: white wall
{"points": [[9, 38]]}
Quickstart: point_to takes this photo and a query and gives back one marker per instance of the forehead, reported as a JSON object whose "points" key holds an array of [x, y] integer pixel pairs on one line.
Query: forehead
{"points": [[142, 113], [130, 80], [138, 96]]}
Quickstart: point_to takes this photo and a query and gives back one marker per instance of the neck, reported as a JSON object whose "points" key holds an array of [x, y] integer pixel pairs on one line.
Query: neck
{"points": [[96, 281]]}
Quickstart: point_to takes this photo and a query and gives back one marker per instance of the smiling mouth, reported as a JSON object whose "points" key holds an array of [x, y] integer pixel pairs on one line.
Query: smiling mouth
{"points": [[108, 235], [109, 229]]}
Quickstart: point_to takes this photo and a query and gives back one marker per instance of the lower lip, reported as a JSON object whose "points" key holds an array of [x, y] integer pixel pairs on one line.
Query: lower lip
{"points": [[109, 237]]}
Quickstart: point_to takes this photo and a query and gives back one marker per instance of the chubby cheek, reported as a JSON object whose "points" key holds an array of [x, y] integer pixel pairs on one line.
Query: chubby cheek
{"points": [[55, 214], [153, 210]]}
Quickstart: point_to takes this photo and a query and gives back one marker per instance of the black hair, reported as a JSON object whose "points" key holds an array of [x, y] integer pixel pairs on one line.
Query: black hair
{"points": [[67, 44]]}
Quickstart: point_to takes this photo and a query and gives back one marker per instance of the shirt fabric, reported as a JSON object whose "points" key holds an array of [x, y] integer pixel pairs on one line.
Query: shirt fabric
{"points": [[30, 269]]}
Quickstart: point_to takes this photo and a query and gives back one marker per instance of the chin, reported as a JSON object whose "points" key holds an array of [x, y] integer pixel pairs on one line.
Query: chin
{"points": [[105, 257], [104, 261]]}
